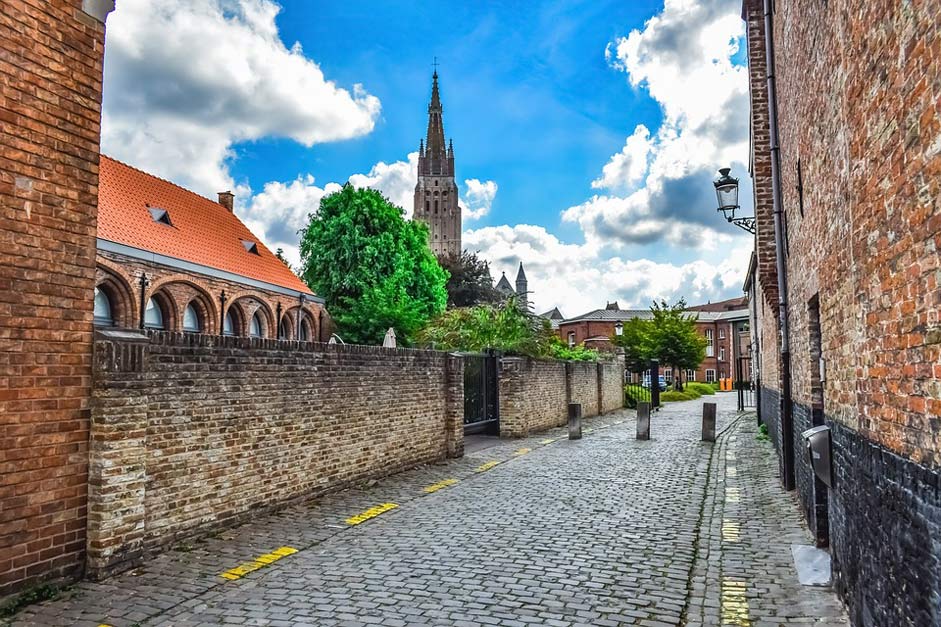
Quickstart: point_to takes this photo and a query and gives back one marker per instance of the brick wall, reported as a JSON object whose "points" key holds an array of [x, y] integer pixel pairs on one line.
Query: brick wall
{"points": [[50, 111], [534, 394], [192, 431], [860, 165]]}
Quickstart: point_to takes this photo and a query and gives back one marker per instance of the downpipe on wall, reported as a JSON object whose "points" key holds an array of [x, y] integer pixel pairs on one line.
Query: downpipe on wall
{"points": [[787, 419]]}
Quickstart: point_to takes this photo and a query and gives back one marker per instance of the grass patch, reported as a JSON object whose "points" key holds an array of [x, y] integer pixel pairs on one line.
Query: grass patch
{"points": [[763, 435], [38, 594]]}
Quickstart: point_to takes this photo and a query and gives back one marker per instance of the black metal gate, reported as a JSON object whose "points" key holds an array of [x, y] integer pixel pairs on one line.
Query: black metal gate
{"points": [[745, 383], [481, 401]]}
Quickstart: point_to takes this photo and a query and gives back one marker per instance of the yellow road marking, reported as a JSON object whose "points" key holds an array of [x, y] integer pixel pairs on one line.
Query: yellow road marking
{"points": [[588, 430], [733, 495], [731, 531], [434, 487], [734, 603], [259, 562], [487, 466], [547, 441], [372, 512], [522, 451]]}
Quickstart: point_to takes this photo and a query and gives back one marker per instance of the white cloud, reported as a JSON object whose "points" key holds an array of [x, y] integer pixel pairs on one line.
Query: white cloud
{"points": [[576, 278], [478, 197], [186, 79], [395, 180], [660, 185], [628, 166]]}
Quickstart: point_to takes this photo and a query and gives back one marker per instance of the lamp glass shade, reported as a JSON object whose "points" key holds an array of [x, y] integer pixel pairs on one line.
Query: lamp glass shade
{"points": [[619, 329]]}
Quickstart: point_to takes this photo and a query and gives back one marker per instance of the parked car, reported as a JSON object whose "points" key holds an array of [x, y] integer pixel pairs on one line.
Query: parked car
{"points": [[663, 383]]}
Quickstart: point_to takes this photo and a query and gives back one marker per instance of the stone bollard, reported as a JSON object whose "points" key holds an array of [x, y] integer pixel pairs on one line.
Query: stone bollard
{"points": [[643, 421], [708, 422], [575, 421]]}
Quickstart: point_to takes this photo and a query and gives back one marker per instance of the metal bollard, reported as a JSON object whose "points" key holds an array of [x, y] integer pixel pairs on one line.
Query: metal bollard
{"points": [[643, 421], [575, 421], [708, 422]]}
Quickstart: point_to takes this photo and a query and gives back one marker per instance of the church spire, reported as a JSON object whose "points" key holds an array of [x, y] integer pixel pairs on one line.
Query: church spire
{"points": [[437, 151]]}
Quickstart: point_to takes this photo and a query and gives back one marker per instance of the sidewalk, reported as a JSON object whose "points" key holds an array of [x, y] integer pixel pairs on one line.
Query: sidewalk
{"points": [[602, 531]]}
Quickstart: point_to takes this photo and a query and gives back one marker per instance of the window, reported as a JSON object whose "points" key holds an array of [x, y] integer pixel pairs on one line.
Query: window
{"points": [[690, 375], [283, 332], [721, 353], [305, 331], [228, 324], [103, 315], [572, 338], [251, 247], [436, 205], [191, 320], [254, 328], [160, 215], [668, 376], [710, 376], [721, 333], [427, 205], [710, 351], [153, 315]]}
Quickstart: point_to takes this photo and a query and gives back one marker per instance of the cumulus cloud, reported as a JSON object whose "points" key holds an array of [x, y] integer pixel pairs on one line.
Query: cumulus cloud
{"points": [[395, 180], [576, 278], [186, 79], [660, 185], [478, 197]]}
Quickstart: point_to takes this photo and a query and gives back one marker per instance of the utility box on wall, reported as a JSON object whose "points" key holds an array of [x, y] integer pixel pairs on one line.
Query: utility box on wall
{"points": [[818, 447]]}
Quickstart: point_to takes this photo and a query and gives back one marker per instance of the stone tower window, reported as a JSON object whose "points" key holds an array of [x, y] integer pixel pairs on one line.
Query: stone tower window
{"points": [[427, 205]]}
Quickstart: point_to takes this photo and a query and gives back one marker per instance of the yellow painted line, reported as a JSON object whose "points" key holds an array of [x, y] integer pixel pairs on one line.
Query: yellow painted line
{"points": [[259, 562], [731, 531], [731, 471], [372, 512], [734, 603], [588, 430], [434, 487], [522, 451], [733, 495], [547, 441], [487, 466]]}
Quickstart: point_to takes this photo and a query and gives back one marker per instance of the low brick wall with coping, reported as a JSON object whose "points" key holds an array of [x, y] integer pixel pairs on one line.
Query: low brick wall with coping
{"points": [[193, 432], [535, 393]]}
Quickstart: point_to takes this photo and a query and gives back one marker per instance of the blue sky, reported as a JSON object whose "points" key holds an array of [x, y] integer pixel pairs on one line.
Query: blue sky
{"points": [[586, 133]]}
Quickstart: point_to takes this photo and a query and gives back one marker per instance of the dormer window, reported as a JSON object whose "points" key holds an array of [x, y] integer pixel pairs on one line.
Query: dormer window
{"points": [[160, 215], [251, 247]]}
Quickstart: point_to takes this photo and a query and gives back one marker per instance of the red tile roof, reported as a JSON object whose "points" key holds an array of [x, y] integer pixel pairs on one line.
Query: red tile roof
{"points": [[202, 231]]}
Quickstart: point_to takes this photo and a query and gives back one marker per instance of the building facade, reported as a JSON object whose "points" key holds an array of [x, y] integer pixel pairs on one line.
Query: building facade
{"points": [[727, 334], [173, 260], [846, 167], [436, 195]]}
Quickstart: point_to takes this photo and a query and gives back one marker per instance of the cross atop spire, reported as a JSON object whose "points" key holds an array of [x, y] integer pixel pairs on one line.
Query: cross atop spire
{"points": [[435, 65]]}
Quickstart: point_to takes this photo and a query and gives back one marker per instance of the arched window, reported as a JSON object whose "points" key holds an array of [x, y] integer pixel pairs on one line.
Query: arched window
{"points": [[305, 330], [191, 319], [103, 315], [255, 326], [153, 315], [228, 324], [284, 331]]}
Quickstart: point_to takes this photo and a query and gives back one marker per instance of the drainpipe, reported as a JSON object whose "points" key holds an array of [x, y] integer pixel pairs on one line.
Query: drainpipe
{"points": [[143, 297], [787, 421]]}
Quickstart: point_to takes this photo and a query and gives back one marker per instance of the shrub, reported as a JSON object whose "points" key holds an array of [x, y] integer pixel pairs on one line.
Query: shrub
{"points": [[634, 394], [702, 388], [673, 395], [691, 392]]}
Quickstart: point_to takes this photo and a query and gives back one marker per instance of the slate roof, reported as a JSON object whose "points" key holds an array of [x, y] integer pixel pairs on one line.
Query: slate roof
{"points": [[201, 231], [630, 314]]}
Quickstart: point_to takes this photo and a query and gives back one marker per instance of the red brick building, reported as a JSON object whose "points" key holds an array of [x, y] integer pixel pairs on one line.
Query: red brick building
{"points": [[724, 325], [846, 166], [171, 259]]}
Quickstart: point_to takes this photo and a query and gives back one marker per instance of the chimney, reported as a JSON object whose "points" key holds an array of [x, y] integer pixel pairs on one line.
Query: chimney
{"points": [[227, 200]]}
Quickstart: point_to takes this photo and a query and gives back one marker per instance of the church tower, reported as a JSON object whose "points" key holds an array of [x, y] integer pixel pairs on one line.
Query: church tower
{"points": [[436, 192]]}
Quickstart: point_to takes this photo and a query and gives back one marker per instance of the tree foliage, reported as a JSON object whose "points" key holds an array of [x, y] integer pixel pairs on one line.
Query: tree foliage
{"points": [[372, 267], [470, 282], [504, 326], [669, 336]]}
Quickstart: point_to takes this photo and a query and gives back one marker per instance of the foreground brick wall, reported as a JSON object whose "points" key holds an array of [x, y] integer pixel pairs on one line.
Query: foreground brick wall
{"points": [[534, 394], [861, 176], [192, 431], [50, 112]]}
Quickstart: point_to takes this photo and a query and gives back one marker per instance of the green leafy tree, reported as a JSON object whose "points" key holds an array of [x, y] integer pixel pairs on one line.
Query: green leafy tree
{"points": [[674, 339], [504, 326], [637, 341], [470, 282], [372, 267]]}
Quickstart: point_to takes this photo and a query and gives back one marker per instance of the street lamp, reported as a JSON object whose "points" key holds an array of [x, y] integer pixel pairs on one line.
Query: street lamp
{"points": [[727, 195], [619, 328]]}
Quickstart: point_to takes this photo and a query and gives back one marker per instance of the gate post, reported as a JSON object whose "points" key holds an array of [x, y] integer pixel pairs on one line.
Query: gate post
{"points": [[575, 421], [655, 383], [454, 403]]}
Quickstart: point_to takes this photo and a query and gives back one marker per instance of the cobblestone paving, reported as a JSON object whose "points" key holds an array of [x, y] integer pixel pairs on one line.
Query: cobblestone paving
{"points": [[602, 531]]}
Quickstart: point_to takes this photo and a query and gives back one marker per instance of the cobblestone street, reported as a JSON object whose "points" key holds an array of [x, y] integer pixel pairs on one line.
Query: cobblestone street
{"points": [[602, 531]]}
